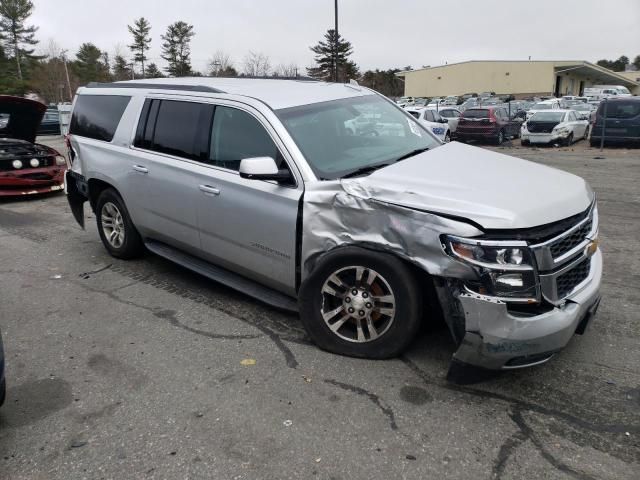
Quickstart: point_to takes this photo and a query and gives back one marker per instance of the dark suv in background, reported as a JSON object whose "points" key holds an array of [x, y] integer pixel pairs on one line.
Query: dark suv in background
{"points": [[622, 123], [488, 124]]}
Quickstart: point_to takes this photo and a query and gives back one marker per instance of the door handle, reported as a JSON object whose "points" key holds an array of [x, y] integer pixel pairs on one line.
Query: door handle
{"points": [[208, 189], [141, 169]]}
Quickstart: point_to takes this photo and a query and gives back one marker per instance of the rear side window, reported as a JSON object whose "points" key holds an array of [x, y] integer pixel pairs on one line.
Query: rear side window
{"points": [[237, 135], [97, 116], [621, 109], [178, 128]]}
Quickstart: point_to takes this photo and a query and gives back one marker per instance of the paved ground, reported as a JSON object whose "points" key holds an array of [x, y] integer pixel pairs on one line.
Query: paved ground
{"points": [[142, 370]]}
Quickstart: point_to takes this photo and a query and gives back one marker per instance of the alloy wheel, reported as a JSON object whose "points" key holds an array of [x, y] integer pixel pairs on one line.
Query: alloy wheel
{"points": [[358, 304], [112, 224]]}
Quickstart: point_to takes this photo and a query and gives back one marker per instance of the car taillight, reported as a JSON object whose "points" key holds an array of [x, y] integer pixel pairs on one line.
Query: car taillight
{"points": [[492, 117]]}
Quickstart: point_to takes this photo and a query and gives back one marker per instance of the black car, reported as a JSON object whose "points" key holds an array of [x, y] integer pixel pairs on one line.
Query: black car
{"points": [[3, 383], [622, 123], [50, 124]]}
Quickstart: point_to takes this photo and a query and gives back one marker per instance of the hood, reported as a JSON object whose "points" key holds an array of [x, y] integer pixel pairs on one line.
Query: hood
{"points": [[24, 117], [493, 190]]}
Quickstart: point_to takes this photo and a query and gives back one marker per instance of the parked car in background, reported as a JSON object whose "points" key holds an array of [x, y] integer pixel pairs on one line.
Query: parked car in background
{"points": [[615, 90], [3, 382], [488, 124], [450, 100], [554, 127], [405, 102], [4, 119], [26, 167], [469, 103], [552, 104], [622, 125], [50, 124], [435, 102], [430, 118], [257, 185], [585, 111], [452, 115]]}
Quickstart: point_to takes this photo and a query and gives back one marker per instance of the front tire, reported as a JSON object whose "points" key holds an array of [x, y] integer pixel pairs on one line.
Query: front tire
{"points": [[447, 138], [361, 304], [117, 232], [569, 140], [500, 137]]}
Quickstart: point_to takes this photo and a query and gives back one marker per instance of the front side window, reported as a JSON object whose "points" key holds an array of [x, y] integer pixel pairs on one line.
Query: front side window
{"points": [[335, 144], [97, 116], [237, 135]]}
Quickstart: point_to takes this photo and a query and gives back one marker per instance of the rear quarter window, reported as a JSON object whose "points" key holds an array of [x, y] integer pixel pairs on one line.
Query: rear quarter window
{"points": [[97, 116]]}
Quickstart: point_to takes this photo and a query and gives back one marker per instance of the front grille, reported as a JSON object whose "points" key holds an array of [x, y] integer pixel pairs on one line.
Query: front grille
{"points": [[566, 282], [571, 241]]}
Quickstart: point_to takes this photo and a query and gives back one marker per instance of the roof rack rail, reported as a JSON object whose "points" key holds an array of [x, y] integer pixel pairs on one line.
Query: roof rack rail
{"points": [[163, 86]]}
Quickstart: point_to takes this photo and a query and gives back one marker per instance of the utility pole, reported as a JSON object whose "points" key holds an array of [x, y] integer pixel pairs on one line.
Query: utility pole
{"points": [[335, 55], [63, 54]]}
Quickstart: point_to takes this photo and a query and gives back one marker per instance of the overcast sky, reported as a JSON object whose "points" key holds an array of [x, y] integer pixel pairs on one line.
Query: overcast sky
{"points": [[384, 33]]}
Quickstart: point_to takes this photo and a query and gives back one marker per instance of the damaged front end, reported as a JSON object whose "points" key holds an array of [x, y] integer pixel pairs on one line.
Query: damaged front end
{"points": [[509, 303], [27, 168]]}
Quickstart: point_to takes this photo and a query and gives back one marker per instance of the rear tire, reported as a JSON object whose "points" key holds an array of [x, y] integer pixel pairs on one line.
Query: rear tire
{"points": [[117, 232], [594, 143], [361, 304], [524, 143]]}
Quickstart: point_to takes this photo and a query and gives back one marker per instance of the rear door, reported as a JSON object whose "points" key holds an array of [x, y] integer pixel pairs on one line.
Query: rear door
{"points": [[248, 226], [169, 152]]}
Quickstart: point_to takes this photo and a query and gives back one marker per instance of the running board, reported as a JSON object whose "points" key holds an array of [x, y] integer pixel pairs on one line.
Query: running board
{"points": [[225, 277]]}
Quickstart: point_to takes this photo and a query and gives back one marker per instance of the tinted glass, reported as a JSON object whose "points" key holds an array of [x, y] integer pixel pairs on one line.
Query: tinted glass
{"points": [[97, 116], [621, 109], [476, 113], [449, 113], [335, 144], [415, 114], [238, 135], [181, 129]]}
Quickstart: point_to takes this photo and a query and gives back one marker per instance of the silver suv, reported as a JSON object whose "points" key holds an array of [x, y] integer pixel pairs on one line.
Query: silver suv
{"points": [[264, 185]]}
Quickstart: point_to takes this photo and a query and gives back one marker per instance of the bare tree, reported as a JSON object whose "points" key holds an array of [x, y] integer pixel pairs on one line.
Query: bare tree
{"points": [[49, 77], [219, 62], [256, 64], [287, 71]]}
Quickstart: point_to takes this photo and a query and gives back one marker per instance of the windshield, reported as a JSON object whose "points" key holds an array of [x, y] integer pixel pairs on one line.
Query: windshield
{"points": [[547, 117], [336, 142], [541, 106]]}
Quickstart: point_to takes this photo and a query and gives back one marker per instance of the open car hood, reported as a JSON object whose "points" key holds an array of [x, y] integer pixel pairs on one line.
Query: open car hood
{"points": [[24, 117], [493, 190]]}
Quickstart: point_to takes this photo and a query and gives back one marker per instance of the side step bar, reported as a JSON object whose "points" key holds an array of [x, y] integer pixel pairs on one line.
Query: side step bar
{"points": [[221, 275]]}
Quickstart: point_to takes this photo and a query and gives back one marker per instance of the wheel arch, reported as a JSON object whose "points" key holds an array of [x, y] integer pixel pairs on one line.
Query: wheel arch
{"points": [[425, 279]]}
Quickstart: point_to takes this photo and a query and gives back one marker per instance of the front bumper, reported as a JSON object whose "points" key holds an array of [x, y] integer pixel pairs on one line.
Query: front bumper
{"points": [[32, 181], [543, 138], [498, 339]]}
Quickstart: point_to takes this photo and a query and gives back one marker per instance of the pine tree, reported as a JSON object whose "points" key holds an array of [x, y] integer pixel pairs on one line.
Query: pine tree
{"points": [[153, 71], [14, 33], [176, 49], [90, 65], [121, 68], [326, 62], [141, 40]]}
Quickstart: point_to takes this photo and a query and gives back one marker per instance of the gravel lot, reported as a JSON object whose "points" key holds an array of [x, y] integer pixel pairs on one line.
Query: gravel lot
{"points": [[142, 369]]}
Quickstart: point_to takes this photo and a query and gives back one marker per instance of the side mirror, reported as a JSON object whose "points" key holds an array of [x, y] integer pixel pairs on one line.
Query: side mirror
{"points": [[263, 168], [443, 120]]}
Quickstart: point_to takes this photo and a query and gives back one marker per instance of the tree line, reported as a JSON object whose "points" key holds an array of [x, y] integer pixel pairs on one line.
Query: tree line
{"points": [[621, 64]]}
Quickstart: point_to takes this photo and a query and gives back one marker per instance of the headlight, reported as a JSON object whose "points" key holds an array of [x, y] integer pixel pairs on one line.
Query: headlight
{"points": [[34, 162], [561, 130], [505, 269], [60, 160], [16, 164]]}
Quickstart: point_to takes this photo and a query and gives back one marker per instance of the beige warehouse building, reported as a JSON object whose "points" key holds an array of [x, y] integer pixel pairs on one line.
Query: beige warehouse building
{"points": [[518, 78]]}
